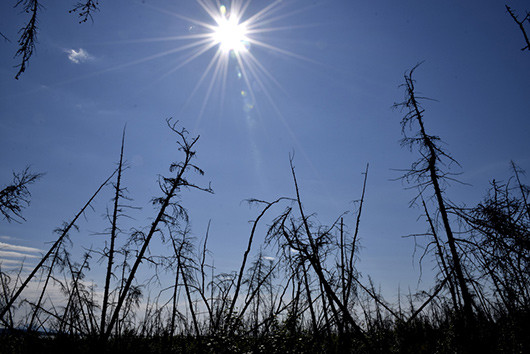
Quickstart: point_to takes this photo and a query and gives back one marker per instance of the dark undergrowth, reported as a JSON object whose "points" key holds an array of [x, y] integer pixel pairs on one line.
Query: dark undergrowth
{"points": [[507, 334]]}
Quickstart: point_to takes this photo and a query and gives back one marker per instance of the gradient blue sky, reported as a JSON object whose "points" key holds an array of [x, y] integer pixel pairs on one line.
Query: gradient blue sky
{"points": [[330, 104]]}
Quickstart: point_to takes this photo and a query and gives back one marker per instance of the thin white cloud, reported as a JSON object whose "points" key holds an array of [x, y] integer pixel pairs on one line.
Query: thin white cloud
{"points": [[16, 255], [53, 292], [15, 263], [10, 261], [7, 238], [78, 56], [9, 247]]}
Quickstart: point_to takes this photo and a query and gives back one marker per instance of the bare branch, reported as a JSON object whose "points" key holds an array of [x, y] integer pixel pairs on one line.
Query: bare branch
{"points": [[521, 24], [85, 10], [28, 36]]}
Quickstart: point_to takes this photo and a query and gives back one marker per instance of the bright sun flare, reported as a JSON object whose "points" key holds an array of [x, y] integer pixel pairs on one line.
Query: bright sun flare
{"points": [[230, 34]]}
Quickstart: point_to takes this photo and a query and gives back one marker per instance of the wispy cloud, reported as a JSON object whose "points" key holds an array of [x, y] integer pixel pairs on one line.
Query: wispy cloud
{"points": [[78, 56], [15, 263], [16, 255], [9, 247]]}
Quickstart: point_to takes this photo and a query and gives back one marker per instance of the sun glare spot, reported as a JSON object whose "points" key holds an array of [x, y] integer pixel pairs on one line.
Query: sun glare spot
{"points": [[229, 33]]}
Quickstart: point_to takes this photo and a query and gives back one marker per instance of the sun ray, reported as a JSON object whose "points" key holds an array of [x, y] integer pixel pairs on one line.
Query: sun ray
{"points": [[268, 10], [214, 59], [188, 59], [279, 17], [192, 57], [177, 15], [128, 64], [207, 6], [243, 9], [157, 39], [282, 51], [209, 91], [223, 83], [245, 77], [260, 66], [260, 82], [251, 31]]}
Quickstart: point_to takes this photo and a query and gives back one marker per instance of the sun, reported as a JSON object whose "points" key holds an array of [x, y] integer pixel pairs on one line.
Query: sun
{"points": [[230, 34]]}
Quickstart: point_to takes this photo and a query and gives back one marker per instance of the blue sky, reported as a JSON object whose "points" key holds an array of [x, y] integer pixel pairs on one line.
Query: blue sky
{"points": [[334, 70]]}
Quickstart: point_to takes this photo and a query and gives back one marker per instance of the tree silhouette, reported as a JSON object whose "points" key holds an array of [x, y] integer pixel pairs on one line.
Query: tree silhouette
{"points": [[16, 196], [521, 24], [85, 9], [169, 210], [28, 36], [428, 172]]}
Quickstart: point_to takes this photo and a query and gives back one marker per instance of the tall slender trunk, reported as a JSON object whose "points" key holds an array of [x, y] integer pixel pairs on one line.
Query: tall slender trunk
{"points": [[466, 296], [245, 256], [44, 287], [113, 233], [431, 157]]}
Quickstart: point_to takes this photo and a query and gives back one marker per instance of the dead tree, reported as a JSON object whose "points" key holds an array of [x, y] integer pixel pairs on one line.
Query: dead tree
{"points": [[15, 196], [245, 255], [169, 209], [500, 242], [63, 233], [427, 172], [312, 245], [113, 234]]}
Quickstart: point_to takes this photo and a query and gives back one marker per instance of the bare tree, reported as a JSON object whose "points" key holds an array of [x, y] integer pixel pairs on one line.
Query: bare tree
{"points": [[313, 245], [169, 209], [16, 196], [500, 244], [118, 193], [63, 234], [427, 172], [267, 206]]}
